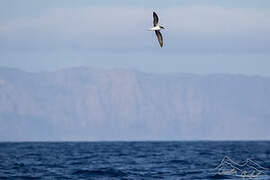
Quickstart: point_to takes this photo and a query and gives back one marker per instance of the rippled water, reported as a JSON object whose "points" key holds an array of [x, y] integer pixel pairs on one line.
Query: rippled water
{"points": [[126, 160]]}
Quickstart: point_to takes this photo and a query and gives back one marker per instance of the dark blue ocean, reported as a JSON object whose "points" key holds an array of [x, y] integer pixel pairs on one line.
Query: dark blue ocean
{"points": [[131, 160]]}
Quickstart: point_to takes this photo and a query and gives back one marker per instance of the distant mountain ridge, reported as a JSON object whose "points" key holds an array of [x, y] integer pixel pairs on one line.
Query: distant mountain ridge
{"points": [[93, 104]]}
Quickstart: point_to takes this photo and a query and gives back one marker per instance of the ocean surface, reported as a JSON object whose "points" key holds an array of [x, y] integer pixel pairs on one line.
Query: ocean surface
{"points": [[134, 160]]}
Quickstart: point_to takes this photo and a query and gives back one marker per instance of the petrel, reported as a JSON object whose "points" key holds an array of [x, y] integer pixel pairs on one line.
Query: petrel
{"points": [[157, 29]]}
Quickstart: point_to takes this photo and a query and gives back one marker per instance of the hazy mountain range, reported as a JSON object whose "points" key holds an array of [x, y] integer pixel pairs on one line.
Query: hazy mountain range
{"points": [[94, 104]]}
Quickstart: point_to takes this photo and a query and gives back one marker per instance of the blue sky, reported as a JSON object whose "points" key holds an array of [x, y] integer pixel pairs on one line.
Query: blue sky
{"points": [[203, 36]]}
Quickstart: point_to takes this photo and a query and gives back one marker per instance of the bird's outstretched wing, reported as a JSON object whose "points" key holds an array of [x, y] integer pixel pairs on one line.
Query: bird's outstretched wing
{"points": [[155, 16], [160, 39]]}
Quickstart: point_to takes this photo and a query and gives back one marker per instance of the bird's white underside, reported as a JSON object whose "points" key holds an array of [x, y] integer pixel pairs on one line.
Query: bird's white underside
{"points": [[156, 28]]}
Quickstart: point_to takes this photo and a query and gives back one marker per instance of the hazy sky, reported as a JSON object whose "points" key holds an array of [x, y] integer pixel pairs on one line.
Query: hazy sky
{"points": [[201, 36]]}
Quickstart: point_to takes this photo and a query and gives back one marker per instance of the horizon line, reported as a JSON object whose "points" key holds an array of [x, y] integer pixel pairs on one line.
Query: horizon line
{"points": [[132, 69]]}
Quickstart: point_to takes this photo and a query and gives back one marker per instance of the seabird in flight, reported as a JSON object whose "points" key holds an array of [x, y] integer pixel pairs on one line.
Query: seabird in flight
{"points": [[157, 29]]}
